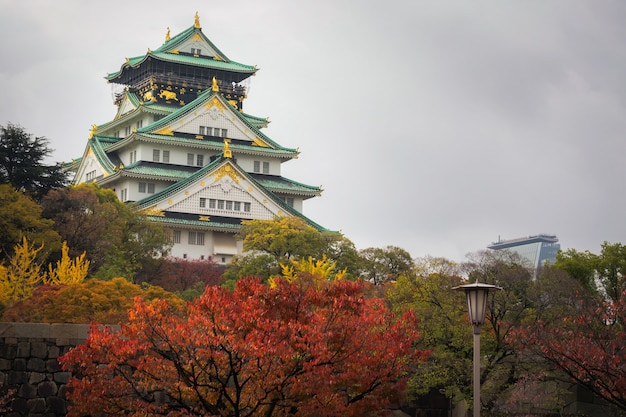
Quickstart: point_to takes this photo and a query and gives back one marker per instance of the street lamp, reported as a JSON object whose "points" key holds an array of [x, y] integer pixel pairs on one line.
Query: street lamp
{"points": [[476, 294]]}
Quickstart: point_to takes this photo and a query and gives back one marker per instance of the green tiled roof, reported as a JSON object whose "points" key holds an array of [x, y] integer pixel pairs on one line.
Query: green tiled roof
{"points": [[163, 53], [198, 102], [201, 223], [286, 185]]}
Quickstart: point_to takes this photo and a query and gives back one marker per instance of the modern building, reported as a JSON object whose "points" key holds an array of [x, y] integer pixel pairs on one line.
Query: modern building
{"points": [[182, 149], [539, 250]]}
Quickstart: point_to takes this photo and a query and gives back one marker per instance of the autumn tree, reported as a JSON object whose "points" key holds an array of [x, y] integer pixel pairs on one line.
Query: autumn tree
{"points": [[580, 334], [21, 162], [22, 274], [21, 217], [67, 270], [90, 301], [118, 240], [286, 350]]}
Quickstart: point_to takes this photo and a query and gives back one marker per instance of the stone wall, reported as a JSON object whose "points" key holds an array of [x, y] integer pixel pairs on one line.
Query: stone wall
{"points": [[29, 365]]}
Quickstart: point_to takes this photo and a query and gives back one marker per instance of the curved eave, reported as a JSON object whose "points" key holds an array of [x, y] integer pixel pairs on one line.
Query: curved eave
{"points": [[185, 35], [202, 62], [197, 224], [237, 148]]}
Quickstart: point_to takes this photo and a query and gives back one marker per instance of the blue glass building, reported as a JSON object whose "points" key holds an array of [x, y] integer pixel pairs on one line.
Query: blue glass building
{"points": [[539, 250]]}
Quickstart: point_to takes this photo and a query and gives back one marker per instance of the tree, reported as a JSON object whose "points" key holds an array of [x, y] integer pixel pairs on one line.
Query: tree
{"points": [[287, 350], [67, 270], [21, 162], [283, 238], [22, 274], [21, 217], [587, 344], [90, 301], [118, 240], [380, 265]]}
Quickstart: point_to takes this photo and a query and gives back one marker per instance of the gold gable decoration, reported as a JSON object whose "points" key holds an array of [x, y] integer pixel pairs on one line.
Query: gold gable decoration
{"points": [[226, 170], [196, 21], [227, 152], [154, 212], [215, 102], [259, 142]]}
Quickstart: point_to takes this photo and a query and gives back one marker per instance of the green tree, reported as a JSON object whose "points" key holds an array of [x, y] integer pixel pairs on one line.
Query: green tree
{"points": [[21, 217], [283, 238], [272, 242], [380, 265], [603, 273], [21, 162]]}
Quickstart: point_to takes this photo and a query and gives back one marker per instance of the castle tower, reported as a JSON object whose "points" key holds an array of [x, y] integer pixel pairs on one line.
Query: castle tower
{"points": [[183, 150]]}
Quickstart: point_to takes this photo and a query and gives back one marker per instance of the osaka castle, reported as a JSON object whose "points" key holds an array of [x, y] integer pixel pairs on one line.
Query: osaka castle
{"points": [[182, 149]]}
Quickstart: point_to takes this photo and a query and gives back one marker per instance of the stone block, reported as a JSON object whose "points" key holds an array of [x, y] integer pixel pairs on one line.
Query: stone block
{"points": [[53, 352], [57, 405], [53, 365], [27, 391], [23, 349], [17, 377], [8, 351], [69, 331], [36, 365], [39, 350], [5, 365], [32, 330], [36, 405], [62, 377], [47, 389], [19, 364], [7, 329], [19, 405], [36, 377]]}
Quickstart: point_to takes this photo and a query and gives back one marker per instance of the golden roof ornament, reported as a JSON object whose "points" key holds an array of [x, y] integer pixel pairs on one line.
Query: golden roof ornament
{"points": [[227, 152], [167, 35], [196, 22], [93, 131], [214, 86]]}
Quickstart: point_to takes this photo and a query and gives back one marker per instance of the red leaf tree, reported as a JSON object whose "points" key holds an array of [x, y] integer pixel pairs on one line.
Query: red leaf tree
{"points": [[587, 343], [290, 349]]}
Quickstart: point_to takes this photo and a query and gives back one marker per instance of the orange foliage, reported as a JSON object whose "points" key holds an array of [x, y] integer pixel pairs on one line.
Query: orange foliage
{"points": [[287, 350], [91, 301]]}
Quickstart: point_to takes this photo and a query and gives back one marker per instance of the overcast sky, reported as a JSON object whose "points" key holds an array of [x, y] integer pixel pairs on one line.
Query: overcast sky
{"points": [[435, 126]]}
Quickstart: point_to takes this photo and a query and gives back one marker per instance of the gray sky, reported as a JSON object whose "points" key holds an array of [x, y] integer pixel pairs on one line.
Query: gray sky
{"points": [[436, 126]]}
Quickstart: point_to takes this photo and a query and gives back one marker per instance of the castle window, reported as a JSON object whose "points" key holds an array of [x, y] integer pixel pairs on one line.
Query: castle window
{"points": [[196, 238], [237, 206], [212, 203], [190, 158], [266, 167], [200, 160], [156, 155], [139, 124], [196, 51], [202, 202], [229, 205], [127, 131], [166, 156], [124, 194], [142, 187], [151, 188], [257, 166], [133, 157], [289, 201], [246, 207], [176, 236], [90, 176], [220, 204]]}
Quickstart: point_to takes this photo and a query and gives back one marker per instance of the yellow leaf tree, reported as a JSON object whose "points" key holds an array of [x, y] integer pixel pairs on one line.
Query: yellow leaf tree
{"points": [[22, 274], [67, 270]]}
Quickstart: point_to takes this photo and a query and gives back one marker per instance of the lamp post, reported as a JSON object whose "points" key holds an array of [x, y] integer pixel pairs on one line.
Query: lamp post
{"points": [[477, 305]]}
